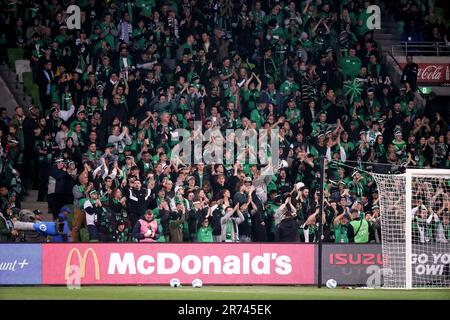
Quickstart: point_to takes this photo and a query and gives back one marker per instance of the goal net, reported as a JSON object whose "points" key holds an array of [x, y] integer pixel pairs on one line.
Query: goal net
{"points": [[415, 229]]}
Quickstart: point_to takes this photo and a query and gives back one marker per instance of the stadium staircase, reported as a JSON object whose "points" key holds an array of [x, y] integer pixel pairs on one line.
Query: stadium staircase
{"points": [[29, 202], [389, 34], [386, 37], [21, 93]]}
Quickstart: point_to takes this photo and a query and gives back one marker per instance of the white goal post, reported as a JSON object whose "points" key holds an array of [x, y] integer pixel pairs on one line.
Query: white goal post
{"points": [[415, 231]]}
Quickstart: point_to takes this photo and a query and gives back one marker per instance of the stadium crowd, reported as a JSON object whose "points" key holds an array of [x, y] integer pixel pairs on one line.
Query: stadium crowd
{"points": [[112, 94]]}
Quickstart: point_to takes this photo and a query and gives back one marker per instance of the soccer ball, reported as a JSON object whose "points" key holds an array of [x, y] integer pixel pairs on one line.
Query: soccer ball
{"points": [[197, 283], [331, 283], [174, 283]]}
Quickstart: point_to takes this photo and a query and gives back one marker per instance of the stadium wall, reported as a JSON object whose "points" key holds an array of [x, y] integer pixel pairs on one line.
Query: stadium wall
{"points": [[217, 263]]}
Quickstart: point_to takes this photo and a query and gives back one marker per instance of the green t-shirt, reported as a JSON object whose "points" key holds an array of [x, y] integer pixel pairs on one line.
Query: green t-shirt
{"points": [[399, 145], [204, 234], [288, 88], [293, 115], [341, 233], [350, 66], [109, 38], [257, 117], [361, 229]]}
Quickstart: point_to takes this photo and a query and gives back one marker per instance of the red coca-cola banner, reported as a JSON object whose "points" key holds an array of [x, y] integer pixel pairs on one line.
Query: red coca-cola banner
{"points": [[433, 73], [213, 263]]}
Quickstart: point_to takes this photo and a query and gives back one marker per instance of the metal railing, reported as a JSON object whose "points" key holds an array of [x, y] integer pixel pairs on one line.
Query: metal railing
{"points": [[420, 49]]}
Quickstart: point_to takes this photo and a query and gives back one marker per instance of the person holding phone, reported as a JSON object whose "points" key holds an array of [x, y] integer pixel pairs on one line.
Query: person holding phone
{"points": [[146, 228]]}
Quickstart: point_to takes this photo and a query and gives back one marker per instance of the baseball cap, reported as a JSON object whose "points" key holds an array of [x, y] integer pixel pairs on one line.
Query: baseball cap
{"points": [[66, 209], [299, 185]]}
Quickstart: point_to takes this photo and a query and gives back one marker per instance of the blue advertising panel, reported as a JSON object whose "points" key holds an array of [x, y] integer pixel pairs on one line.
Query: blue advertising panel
{"points": [[20, 264]]}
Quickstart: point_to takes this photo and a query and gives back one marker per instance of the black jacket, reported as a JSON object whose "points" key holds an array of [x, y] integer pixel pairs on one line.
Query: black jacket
{"points": [[116, 110], [58, 181], [42, 80], [287, 230], [138, 201]]}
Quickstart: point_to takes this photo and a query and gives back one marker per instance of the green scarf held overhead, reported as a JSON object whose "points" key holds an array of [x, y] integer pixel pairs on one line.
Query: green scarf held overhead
{"points": [[353, 89]]}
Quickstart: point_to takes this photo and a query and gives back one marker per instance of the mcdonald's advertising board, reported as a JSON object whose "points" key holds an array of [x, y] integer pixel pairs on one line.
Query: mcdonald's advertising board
{"points": [[158, 263], [20, 264]]}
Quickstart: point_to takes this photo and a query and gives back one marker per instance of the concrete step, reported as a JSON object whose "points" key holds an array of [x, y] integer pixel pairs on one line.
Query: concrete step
{"points": [[386, 42], [32, 204], [385, 36], [388, 24], [29, 202], [14, 86]]}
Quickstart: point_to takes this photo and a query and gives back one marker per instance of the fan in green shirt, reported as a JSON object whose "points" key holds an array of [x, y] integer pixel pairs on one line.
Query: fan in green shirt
{"points": [[347, 145], [362, 21], [321, 125], [280, 47], [398, 142], [343, 230], [258, 116], [146, 7], [109, 31], [204, 233], [292, 112], [251, 92], [289, 86], [258, 17], [138, 36], [350, 65], [360, 227], [81, 120]]}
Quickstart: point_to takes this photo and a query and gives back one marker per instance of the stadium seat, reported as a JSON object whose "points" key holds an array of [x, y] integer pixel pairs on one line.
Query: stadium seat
{"points": [[13, 55], [35, 96], [22, 66], [31, 88], [27, 82]]}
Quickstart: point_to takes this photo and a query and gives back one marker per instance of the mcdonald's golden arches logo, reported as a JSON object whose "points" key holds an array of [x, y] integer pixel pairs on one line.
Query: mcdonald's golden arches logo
{"points": [[82, 262]]}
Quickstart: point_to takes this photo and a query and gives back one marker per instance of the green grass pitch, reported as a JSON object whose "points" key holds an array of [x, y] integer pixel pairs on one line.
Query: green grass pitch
{"points": [[216, 293]]}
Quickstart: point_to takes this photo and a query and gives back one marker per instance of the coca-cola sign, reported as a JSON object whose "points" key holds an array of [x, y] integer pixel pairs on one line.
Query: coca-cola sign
{"points": [[432, 73]]}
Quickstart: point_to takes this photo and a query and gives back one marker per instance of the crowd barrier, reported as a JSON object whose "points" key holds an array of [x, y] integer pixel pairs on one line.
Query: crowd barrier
{"points": [[216, 263]]}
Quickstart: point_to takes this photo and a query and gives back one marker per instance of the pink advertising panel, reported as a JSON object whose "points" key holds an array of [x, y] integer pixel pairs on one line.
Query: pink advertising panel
{"points": [[215, 263]]}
